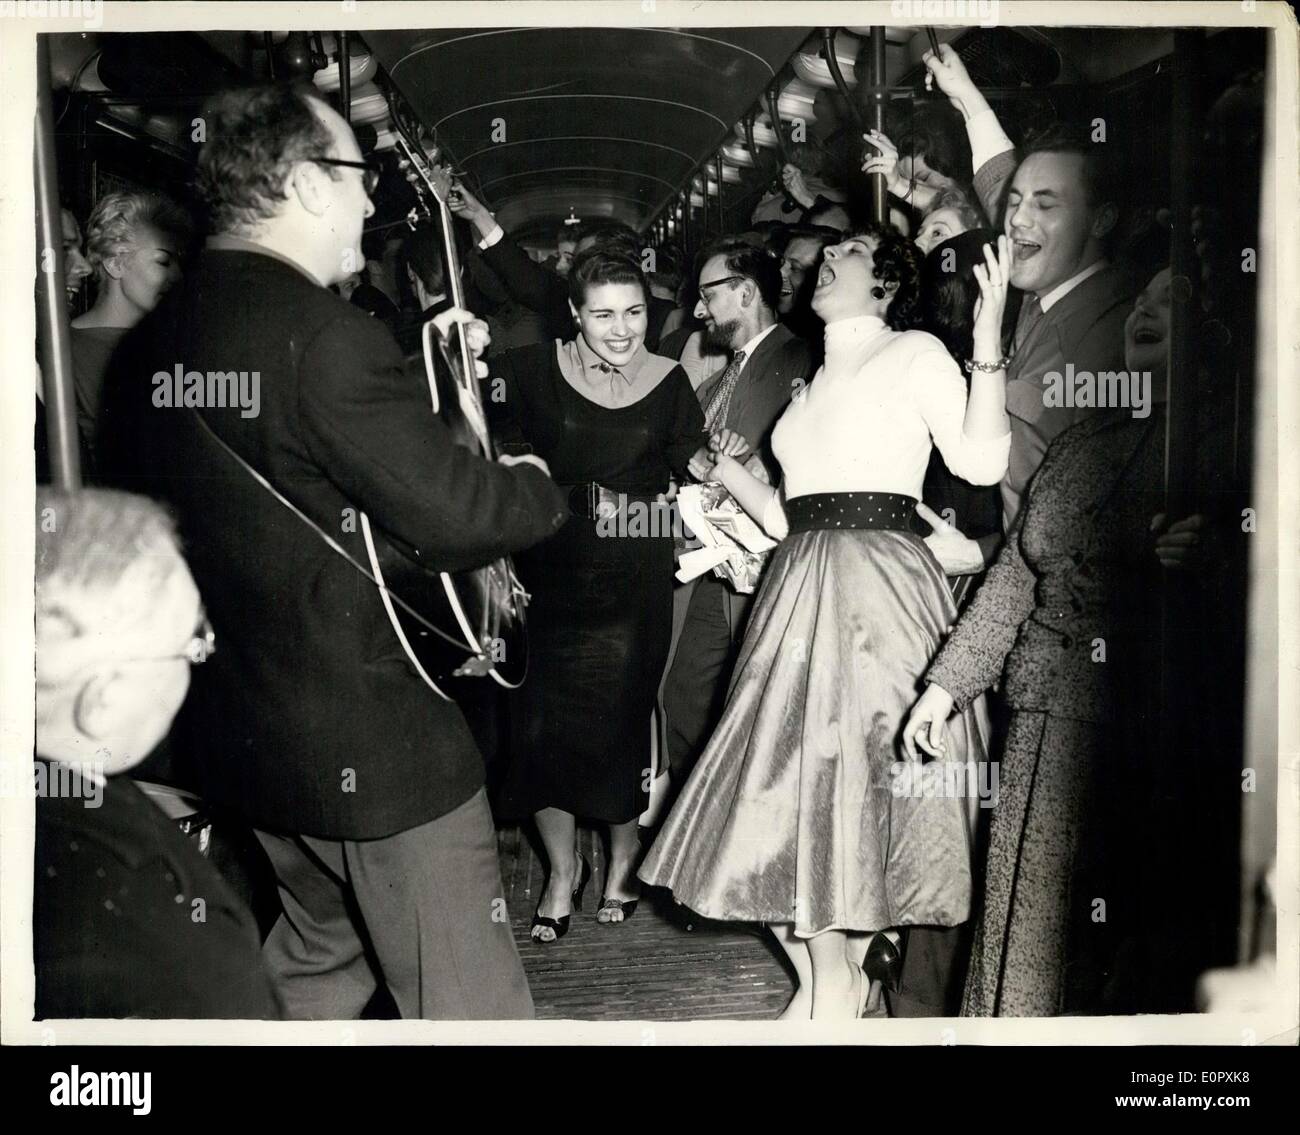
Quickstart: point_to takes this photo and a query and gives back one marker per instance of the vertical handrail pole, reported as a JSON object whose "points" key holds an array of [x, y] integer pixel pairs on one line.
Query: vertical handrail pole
{"points": [[54, 335], [1179, 681], [722, 216], [345, 76], [879, 194]]}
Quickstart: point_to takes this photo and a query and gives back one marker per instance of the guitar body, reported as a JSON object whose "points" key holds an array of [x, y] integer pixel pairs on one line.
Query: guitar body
{"points": [[461, 625], [480, 613]]}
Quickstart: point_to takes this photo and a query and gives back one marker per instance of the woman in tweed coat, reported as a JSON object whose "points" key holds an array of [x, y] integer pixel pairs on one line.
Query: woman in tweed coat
{"points": [[1073, 914]]}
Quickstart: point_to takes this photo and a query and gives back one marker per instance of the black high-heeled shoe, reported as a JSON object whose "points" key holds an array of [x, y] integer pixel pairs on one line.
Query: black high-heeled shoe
{"points": [[884, 962], [626, 906], [561, 925]]}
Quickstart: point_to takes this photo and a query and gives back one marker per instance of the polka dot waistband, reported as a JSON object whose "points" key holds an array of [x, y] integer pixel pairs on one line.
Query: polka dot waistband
{"points": [[850, 510]]}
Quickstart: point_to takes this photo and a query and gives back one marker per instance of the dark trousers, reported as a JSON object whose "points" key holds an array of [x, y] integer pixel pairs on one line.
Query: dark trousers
{"points": [[934, 972], [696, 687], [427, 904]]}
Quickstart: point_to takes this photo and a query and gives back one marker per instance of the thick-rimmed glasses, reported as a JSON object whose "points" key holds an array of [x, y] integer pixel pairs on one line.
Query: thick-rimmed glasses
{"points": [[717, 283], [369, 179]]}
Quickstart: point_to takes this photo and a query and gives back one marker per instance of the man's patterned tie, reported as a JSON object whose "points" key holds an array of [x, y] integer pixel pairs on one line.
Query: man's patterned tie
{"points": [[715, 415]]}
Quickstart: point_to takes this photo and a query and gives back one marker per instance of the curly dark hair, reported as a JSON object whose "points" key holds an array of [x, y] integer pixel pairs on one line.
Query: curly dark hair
{"points": [[939, 137], [254, 136], [604, 266], [896, 260]]}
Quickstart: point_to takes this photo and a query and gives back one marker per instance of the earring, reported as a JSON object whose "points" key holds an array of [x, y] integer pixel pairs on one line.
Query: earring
{"points": [[878, 293]]}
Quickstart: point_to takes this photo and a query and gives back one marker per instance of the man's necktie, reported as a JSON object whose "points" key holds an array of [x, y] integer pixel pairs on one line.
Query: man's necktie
{"points": [[715, 415], [1031, 311]]}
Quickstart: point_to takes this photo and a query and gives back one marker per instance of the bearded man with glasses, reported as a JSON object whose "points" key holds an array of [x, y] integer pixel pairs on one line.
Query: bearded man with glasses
{"points": [[740, 292]]}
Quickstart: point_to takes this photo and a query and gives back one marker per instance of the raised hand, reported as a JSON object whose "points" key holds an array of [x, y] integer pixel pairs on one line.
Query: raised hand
{"points": [[440, 176], [993, 277], [463, 203], [953, 79], [795, 185], [885, 162]]}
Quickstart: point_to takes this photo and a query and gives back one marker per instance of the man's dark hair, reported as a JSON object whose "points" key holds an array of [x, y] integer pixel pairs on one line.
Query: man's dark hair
{"points": [[940, 140], [822, 234], [747, 258], [254, 136], [896, 260], [604, 266], [612, 235], [1101, 178], [422, 252]]}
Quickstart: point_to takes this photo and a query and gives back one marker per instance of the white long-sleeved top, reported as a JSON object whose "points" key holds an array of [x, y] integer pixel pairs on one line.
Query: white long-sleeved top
{"points": [[866, 421]]}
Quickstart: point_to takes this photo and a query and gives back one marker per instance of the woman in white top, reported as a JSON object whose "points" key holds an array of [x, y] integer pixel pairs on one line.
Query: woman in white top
{"points": [[804, 812]]}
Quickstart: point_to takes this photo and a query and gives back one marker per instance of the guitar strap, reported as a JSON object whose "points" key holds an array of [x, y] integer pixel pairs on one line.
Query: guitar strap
{"points": [[327, 538]]}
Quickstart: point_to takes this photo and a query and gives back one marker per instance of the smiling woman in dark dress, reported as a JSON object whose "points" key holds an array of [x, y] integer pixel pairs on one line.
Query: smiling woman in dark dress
{"points": [[615, 424]]}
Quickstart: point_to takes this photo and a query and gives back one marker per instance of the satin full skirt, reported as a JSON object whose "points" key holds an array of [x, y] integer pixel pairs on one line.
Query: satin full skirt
{"points": [[803, 807]]}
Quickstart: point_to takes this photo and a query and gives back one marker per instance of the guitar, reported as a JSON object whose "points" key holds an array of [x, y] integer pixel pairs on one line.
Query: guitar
{"points": [[459, 625]]}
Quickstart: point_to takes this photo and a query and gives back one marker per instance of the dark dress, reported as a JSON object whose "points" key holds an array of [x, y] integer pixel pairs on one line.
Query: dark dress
{"points": [[92, 352], [600, 613]]}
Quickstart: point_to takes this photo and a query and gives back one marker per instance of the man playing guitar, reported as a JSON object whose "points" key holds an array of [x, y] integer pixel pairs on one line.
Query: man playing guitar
{"points": [[364, 787]]}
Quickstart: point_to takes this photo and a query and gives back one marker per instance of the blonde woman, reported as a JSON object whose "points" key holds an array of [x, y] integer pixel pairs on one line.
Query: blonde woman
{"points": [[134, 245]]}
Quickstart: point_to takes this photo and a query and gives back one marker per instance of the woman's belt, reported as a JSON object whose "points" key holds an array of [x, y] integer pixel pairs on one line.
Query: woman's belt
{"points": [[818, 511], [592, 501]]}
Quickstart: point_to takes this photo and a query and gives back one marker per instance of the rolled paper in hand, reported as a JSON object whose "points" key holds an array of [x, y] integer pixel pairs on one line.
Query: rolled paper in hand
{"points": [[734, 547]]}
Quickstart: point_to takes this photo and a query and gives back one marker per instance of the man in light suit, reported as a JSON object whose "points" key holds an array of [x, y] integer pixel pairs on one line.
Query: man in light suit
{"points": [[740, 291]]}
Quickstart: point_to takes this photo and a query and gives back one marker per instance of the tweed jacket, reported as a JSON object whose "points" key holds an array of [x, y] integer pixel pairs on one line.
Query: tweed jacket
{"points": [[1065, 613]]}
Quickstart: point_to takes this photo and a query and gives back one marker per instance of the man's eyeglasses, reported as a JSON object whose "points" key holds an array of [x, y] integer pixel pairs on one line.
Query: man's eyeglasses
{"points": [[717, 283], [197, 651], [370, 178]]}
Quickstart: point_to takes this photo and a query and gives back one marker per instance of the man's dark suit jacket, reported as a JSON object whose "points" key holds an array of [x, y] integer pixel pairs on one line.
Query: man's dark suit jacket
{"points": [[781, 365], [547, 293], [1084, 328], [309, 719], [115, 925]]}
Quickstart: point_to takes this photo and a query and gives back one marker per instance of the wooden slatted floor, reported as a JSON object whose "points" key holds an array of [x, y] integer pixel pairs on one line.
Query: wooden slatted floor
{"points": [[650, 968]]}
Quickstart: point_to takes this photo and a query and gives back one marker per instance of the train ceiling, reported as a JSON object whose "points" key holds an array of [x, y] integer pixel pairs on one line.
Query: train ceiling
{"points": [[595, 121], [603, 121]]}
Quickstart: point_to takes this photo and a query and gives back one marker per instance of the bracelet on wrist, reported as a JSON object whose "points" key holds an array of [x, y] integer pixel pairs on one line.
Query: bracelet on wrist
{"points": [[972, 365]]}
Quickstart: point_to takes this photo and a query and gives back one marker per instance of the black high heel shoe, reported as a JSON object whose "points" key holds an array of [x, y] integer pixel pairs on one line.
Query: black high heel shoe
{"points": [[884, 962], [561, 925], [626, 906]]}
